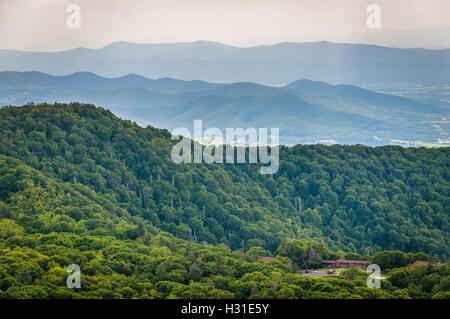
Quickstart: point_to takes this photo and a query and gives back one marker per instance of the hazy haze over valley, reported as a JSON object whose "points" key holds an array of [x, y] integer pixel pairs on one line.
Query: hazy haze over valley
{"points": [[306, 111]]}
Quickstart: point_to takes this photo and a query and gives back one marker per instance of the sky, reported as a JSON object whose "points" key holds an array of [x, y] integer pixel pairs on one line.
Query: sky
{"points": [[40, 25]]}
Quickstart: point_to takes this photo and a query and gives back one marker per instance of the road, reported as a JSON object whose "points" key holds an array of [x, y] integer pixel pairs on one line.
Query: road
{"points": [[319, 274]]}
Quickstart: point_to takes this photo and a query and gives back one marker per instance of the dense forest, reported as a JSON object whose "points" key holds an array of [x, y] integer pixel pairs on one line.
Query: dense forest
{"points": [[79, 185]]}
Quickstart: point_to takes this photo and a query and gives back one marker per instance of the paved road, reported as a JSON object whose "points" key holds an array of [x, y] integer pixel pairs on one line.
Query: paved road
{"points": [[319, 274]]}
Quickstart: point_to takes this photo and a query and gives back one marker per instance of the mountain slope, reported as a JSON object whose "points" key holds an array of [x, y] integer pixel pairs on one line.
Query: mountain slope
{"points": [[87, 80], [305, 111], [271, 64], [384, 102]]}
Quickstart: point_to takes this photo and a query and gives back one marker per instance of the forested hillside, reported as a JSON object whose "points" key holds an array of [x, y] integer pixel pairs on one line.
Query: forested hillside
{"points": [[79, 185], [355, 198]]}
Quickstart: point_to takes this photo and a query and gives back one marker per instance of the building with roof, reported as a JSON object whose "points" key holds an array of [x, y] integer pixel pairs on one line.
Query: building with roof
{"points": [[421, 262]]}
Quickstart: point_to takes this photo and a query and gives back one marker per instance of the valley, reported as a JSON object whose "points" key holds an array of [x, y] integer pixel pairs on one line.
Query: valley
{"points": [[306, 111]]}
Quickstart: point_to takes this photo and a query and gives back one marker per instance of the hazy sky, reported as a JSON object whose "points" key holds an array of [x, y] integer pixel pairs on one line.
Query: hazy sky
{"points": [[41, 24]]}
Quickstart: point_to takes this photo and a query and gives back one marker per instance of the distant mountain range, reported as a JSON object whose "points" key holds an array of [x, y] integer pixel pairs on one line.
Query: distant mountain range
{"points": [[305, 111], [268, 64]]}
